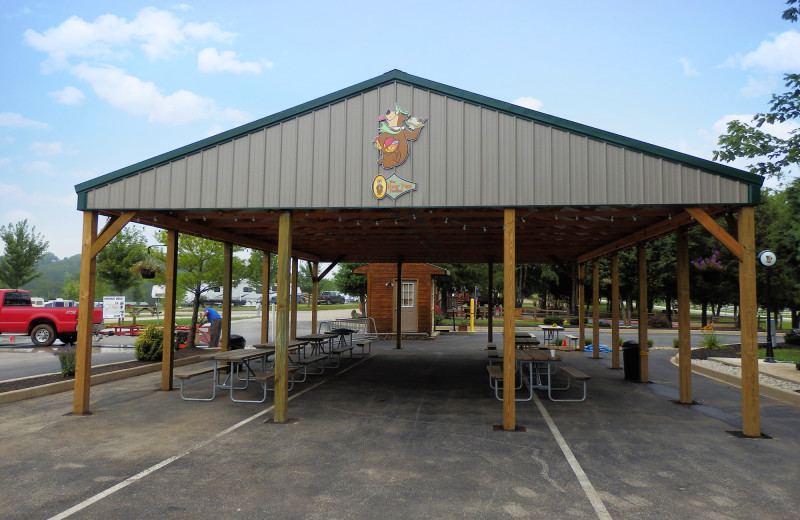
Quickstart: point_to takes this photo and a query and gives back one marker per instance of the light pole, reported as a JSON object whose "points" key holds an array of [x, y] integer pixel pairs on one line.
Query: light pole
{"points": [[767, 259]]}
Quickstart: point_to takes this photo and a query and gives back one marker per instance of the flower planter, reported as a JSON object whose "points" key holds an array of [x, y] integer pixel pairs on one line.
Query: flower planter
{"points": [[148, 274]]}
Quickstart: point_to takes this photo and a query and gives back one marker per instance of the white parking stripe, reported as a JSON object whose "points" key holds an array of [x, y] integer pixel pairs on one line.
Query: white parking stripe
{"points": [[591, 493], [152, 469]]}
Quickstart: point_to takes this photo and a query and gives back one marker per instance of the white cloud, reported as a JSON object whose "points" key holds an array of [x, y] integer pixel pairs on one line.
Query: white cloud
{"points": [[40, 168], [183, 7], [4, 161], [528, 102], [758, 87], [779, 55], [67, 96], [50, 149], [14, 120], [160, 34], [688, 68], [210, 60]]}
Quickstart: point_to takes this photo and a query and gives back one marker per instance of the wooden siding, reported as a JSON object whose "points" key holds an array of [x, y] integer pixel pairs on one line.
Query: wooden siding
{"points": [[466, 156], [381, 298]]}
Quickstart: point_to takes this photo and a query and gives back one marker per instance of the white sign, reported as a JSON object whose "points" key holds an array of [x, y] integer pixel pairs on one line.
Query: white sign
{"points": [[158, 291], [113, 307]]}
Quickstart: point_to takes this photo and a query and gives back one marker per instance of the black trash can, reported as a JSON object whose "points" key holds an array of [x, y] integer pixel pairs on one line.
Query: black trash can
{"points": [[630, 360], [236, 342]]}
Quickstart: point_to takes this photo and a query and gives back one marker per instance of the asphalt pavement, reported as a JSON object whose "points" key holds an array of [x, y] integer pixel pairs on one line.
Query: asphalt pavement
{"points": [[407, 433]]}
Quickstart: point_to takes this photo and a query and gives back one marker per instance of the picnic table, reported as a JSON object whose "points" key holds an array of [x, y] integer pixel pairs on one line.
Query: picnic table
{"points": [[541, 365], [551, 333]]}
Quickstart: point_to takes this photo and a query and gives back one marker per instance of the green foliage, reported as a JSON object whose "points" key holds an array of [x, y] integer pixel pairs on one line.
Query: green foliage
{"points": [[676, 343], [115, 260], [23, 249], [781, 354], [711, 341], [149, 344], [66, 356], [71, 289], [348, 282]]}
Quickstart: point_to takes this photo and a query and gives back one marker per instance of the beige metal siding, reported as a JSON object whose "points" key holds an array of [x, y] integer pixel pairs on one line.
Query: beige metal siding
{"points": [[467, 155]]}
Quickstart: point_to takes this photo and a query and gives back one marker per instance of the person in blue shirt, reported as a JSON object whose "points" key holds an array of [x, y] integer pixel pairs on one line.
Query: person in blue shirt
{"points": [[215, 325]]}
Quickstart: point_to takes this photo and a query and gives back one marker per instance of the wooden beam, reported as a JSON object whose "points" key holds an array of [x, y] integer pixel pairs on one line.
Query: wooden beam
{"points": [[314, 295], [751, 422], [717, 231], [644, 353], [227, 287], [110, 230], [651, 232], [596, 310], [293, 299], [265, 277], [170, 292], [281, 394], [329, 268], [615, 311], [581, 307], [684, 325], [490, 338], [83, 356], [399, 306], [509, 304]]}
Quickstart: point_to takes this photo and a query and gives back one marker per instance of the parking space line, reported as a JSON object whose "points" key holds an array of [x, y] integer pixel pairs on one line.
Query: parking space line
{"points": [[588, 488], [152, 469]]}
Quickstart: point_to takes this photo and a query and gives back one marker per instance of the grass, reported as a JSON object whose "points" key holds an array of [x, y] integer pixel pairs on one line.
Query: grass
{"points": [[781, 354]]}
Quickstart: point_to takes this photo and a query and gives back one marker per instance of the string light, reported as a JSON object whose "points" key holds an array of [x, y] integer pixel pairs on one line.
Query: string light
{"points": [[204, 218], [445, 220], [484, 229], [465, 227]]}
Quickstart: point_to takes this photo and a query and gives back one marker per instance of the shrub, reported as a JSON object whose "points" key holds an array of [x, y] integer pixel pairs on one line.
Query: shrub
{"points": [[149, 344], [676, 343], [649, 343], [658, 321], [711, 341], [576, 321], [793, 337], [438, 318], [66, 355]]}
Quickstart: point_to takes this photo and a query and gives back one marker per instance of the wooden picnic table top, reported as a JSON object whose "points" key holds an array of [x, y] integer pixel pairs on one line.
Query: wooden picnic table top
{"points": [[535, 355], [238, 355], [317, 337], [291, 344]]}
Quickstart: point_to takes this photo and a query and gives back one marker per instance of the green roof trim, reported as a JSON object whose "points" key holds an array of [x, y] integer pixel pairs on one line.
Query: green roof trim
{"points": [[755, 181]]}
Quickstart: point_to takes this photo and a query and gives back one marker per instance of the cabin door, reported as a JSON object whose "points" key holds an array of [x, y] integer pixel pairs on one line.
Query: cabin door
{"points": [[409, 310]]}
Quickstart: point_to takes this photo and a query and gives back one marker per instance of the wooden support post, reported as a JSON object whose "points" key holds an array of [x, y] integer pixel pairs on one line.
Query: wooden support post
{"points": [[281, 404], [293, 298], [314, 295], [83, 357], [581, 307], [615, 310], [751, 422], [490, 336], [644, 353], [596, 310], [399, 305], [684, 317], [509, 303], [265, 278], [170, 293], [227, 287]]}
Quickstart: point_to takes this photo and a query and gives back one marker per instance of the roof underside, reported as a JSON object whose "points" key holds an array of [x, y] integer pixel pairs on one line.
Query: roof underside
{"points": [[578, 192]]}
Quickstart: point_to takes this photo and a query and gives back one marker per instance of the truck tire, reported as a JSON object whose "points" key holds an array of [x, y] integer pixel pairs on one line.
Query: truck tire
{"points": [[68, 339], [43, 335]]}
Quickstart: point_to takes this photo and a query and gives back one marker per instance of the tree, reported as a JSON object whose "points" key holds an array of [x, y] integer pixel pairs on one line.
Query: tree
{"points": [[23, 250], [115, 260], [750, 141], [200, 263], [348, 282]]}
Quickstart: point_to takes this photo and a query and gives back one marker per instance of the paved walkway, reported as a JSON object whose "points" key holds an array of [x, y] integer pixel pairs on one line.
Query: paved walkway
{"points": [[403, 434]]}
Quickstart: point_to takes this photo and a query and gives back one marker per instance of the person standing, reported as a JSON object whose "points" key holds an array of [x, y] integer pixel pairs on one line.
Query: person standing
{"points": [[215, 325]]}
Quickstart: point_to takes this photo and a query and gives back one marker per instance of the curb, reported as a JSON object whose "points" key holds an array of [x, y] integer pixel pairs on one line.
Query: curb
{"points": [[65, 386], [773, 392]]}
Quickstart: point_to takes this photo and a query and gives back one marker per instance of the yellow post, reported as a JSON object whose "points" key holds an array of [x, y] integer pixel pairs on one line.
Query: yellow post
{"points": [[170, 284], [227, 276], [644, 353], [281, 409], [265, 276], [314, 295], [509, 302], [293, 299], [684, 325], [751, 422], [83, 357], [472, 314]]}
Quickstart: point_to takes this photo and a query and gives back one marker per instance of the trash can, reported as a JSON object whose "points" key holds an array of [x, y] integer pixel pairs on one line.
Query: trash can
{"points": [[236, 342], [630, 360]]}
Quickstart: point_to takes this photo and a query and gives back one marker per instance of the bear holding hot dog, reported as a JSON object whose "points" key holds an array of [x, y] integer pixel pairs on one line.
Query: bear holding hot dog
{"points": [[396, 129]]}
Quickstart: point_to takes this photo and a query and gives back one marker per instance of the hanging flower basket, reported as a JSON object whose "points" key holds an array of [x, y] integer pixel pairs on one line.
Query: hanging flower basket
{"points": [[146, 268]]}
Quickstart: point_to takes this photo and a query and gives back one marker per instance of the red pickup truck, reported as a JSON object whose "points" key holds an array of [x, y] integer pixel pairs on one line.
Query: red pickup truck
{"points": [[43, 324]]}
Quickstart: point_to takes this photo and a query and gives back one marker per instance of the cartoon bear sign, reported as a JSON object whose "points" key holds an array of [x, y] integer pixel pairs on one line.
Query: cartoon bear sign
{"points": [[396, 129]]}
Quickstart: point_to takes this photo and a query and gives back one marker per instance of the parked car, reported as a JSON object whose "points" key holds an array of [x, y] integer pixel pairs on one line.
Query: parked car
{"points": [[43, 324], [330, 297]]}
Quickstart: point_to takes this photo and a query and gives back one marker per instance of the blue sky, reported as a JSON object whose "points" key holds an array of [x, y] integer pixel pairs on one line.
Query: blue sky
{"points": [[90, 87]]}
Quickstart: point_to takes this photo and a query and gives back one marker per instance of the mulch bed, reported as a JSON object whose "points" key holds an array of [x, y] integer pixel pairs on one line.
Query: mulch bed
{"points": [[733, 351], [28, 382]]}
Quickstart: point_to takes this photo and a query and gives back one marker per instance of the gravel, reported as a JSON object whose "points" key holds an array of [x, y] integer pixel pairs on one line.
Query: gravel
{"points": [[762, 378]]}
